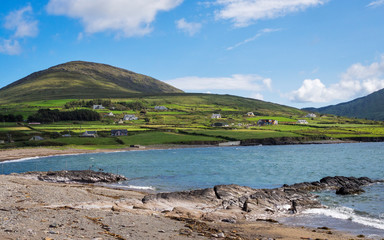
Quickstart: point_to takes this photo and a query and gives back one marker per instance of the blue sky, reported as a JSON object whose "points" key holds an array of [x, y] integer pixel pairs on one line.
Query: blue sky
{"points": [[299, 53]]}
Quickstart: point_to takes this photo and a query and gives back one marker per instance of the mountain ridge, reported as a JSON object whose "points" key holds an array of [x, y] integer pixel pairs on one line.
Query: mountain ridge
{"points": [[80, 79], [369, 107]]}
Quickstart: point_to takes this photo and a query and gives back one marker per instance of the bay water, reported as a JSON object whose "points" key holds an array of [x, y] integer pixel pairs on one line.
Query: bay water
{"points": [[256, 166]]}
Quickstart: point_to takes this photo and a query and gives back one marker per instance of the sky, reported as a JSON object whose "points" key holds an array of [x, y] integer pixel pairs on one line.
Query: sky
{"points": [[300, 53]]}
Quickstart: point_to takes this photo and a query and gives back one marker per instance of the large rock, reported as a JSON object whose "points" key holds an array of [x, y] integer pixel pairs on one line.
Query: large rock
{"points": [[235, 198], [81, 176]]}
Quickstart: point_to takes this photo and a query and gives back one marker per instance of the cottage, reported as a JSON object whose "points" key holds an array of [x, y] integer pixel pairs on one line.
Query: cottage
{"points": [[95, 107], [119, 132], [265, 122], [216, 116], [36, 138], [302, 121], [129, 117], [110, 114], [250, 114], [89, 134], [161, 108], [311, 115]]}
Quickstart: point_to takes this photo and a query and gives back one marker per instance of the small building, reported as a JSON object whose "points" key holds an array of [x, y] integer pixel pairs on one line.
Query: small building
{"points": [[265, 122], [119, 132], [250, 114], [220, 124], [120, 121], [129, 117], [36, 138], [216, 116], [311, 115], [89, 134], [67, 135], [161, 108], [95, 107], [110, 114], [302, 121]]}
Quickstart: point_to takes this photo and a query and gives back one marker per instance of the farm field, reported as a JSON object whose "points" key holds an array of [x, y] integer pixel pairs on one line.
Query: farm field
{"points": [[185, 120]]}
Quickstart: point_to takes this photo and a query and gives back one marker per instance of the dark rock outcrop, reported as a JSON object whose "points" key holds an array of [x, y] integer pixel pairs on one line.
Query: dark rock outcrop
{"points": [[81, 176], [269, 200]]}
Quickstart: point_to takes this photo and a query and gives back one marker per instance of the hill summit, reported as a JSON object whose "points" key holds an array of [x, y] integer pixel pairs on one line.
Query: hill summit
{"points": [[81, 80], [369, 107]]}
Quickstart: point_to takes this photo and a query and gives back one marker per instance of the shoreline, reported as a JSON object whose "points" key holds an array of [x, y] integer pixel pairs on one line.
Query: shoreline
{"points": [[34, 209], [15, 154]]}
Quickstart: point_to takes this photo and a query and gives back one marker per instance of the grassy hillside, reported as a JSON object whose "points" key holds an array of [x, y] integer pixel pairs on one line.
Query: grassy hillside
{"points": [[82, 80], [369, 107], [187, 120]]}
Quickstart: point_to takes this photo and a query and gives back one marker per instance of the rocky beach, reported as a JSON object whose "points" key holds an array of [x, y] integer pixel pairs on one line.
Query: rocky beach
{"points": [[64, 205]]}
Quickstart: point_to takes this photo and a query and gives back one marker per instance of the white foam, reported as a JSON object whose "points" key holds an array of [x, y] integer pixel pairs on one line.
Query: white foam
{"points": [[346, 213], [141, 187]]}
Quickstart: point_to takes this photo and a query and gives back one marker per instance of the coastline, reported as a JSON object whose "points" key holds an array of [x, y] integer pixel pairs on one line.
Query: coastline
{"points": [[33, 209], [241, 225], [36, 152]]}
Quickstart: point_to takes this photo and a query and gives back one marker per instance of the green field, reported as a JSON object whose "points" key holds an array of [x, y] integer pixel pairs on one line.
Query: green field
{"points": [[187, 121]]}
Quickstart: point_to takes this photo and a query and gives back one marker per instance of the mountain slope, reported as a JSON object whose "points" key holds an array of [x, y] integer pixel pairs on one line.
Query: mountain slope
{"points": [[82, 80], [369, 107]]}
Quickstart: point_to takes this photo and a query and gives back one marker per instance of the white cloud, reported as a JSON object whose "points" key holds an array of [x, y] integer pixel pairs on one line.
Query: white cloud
{"points": [[190, 28], [257, 96], [10, 47], [259, 34], [376, 3], [357, 81], [125, 17], [245, 12], [22, 23], [250, 82]]}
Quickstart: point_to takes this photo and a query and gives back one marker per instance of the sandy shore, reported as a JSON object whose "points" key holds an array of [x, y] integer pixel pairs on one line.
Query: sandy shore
{"points": [[31, 209], [20, 153]]}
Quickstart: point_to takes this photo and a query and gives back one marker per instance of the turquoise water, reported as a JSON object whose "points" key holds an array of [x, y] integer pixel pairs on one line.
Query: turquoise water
{"points": [[258, 167]]}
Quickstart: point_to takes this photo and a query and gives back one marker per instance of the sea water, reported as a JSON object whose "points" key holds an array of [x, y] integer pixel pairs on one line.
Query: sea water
{"points": [[257, 167]]}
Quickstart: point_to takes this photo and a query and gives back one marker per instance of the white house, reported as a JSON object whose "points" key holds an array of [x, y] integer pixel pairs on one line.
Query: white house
{"points": [[89, 134], [36, 138], [98, 107], [161, 108], [311, 115], [110, 114], [129, 117], [216, 116], [250, 114], [302, 121]]}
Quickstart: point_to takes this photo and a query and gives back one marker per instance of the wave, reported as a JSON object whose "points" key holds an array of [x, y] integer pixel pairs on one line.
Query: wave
{"points": [[345, 213]]}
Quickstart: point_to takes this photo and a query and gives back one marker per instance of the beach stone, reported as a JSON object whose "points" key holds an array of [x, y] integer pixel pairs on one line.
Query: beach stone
{"points": [[349, 191]]}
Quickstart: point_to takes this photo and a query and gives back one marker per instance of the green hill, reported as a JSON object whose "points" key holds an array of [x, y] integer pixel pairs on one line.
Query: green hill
{"points": [[82, 80], [369, 107]]}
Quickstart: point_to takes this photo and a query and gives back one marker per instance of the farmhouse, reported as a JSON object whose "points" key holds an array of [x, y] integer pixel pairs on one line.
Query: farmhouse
{"points": [[250, 114], [311, 115], [89, 134], [98, 107], [302, 121], [119, 132], [110, 114], [265, 122], [216, 116], [129, 117], [161, 108], [36, 138]]}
